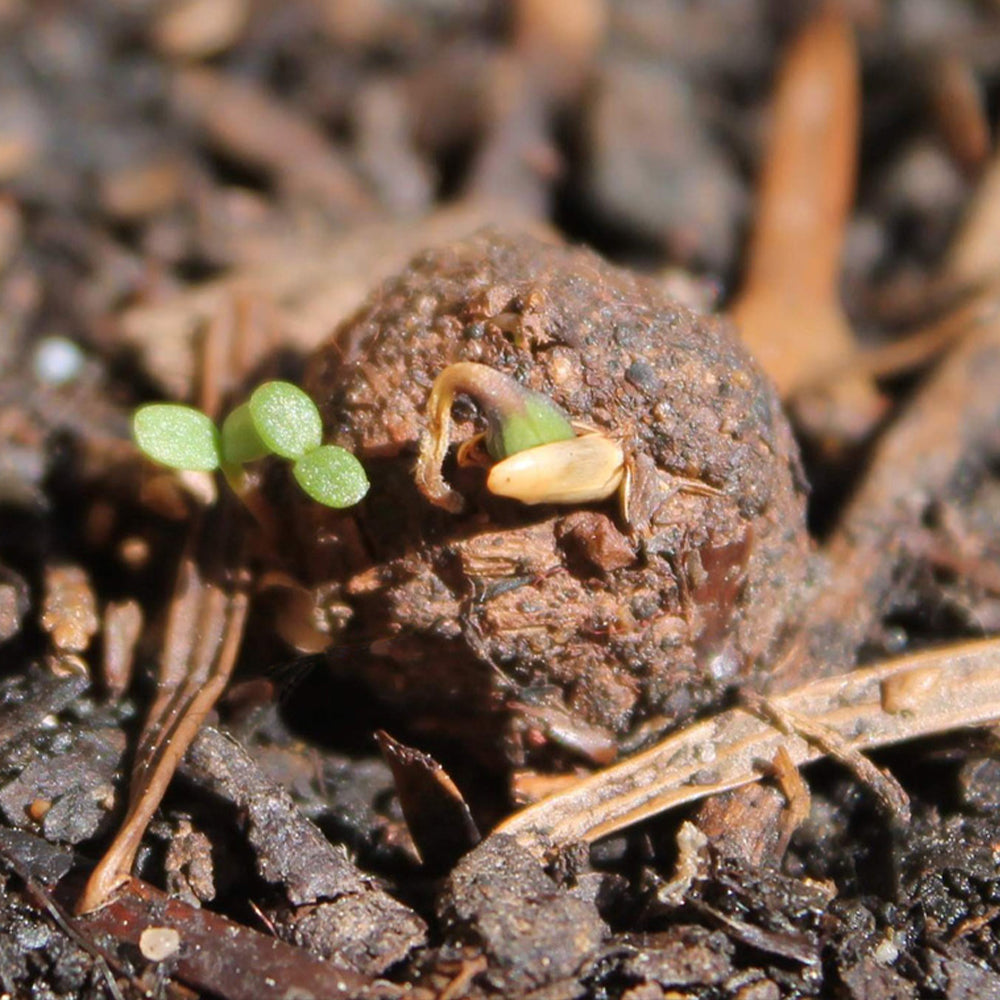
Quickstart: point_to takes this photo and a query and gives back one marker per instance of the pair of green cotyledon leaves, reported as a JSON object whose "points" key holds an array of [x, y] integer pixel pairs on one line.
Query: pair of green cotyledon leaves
{"points": [[280, 419]]}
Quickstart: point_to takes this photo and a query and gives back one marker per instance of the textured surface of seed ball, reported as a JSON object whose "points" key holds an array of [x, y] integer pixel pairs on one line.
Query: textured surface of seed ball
{"points": [[537, 632]]}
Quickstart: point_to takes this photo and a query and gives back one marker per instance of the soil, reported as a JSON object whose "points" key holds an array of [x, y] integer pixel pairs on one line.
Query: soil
{"points": [[198, 195]]}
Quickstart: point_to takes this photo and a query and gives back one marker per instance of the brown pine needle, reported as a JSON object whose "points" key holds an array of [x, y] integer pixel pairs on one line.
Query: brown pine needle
{"points": [[788, 311], [202, 640], [922, 345], [885, 787], [946, 689]]}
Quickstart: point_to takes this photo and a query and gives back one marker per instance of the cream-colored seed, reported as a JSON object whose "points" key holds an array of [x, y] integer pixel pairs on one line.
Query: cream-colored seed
{"points": [[579, 470]]}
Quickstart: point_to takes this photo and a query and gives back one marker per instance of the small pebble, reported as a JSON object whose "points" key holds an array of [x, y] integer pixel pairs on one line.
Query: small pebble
{"points": [[57, 361], [887, 951], [158, 943], [37, 809], [30, 936]]}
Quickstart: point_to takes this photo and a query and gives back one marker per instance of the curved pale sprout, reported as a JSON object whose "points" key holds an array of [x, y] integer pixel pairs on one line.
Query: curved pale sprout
{"points": [[516, 416], [435, 440]]}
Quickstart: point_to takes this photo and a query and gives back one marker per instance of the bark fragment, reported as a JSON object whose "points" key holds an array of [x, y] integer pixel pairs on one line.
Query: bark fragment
{"points": [[533, 931], [334, 909]]}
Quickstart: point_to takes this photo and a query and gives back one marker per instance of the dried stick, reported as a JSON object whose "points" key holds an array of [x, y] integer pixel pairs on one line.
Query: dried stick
{"points": [[202, 640], [946, 689], [221, 958], [788, 311]]}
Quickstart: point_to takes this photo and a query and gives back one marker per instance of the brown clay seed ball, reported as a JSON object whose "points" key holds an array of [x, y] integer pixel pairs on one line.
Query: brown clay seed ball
{"points": [[541, 632]]}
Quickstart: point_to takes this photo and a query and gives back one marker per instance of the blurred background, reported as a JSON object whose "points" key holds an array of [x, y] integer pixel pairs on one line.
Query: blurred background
{"points": [[308, 147]]}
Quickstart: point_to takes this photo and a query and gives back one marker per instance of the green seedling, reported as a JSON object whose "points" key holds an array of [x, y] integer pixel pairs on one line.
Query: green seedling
{"points": [[278, 419], [532, 451], [518, 420], [178, 436], [332, 476]]}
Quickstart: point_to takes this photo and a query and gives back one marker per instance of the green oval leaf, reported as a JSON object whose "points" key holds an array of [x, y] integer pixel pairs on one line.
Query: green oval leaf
{"points": [[239, 439], [286, 419], [175, 435], [332, 476]]}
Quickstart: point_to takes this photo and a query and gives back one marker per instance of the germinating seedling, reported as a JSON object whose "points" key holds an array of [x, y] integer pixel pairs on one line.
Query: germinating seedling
{"points": [[278, 419], [534, 452]]}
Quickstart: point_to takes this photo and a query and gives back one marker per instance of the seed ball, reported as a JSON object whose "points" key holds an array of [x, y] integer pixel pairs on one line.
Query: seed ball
{"points": [[535, 634]]}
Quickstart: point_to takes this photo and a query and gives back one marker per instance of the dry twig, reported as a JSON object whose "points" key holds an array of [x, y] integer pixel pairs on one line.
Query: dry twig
{"points": [[202, 640], [955, 687], [788, 311], [224, 958]]}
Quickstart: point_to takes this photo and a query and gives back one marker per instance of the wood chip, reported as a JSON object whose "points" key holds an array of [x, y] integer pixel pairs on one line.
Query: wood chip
{"points": [[69, 608], [122, 626]]}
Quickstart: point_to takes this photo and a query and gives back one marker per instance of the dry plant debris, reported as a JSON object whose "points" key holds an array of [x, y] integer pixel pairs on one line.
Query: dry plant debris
{"points": [[789, 310], [865, 709], [69, 612], [199, 651], [220, 956], [944, 435]]}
